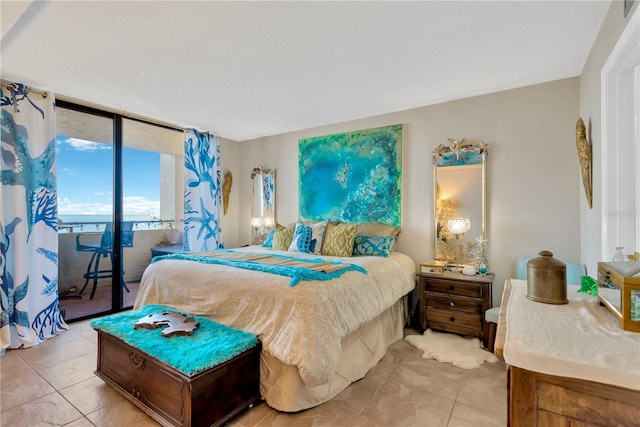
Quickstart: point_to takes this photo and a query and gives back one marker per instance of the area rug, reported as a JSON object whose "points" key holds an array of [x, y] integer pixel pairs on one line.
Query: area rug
{"points": [[462, 352]]}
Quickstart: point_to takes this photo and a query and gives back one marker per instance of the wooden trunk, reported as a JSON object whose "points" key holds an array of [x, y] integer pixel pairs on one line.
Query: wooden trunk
{"points": [[172, 398]]}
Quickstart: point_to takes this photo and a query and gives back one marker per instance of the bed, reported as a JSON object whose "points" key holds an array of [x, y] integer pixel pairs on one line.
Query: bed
{"points": [[317, 336]]}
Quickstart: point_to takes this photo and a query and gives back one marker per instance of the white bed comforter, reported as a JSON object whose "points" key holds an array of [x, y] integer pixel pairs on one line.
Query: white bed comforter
{"points": [[302, 325]]}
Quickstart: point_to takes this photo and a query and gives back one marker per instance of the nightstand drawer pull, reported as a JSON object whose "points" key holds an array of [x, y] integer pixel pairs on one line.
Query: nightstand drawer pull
{"points": [[452, 304], [453, 319], [451, 288]]}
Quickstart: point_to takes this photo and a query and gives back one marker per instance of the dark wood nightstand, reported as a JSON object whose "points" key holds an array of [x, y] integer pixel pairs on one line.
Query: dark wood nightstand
{"points": [[453, 302]]}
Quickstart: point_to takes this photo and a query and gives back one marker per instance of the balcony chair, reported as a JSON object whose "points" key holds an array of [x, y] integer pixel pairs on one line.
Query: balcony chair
{"points": [[101, 249], [574, 272]]}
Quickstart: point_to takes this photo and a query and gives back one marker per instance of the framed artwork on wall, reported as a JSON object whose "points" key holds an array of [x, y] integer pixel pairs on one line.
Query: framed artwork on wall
{"points": [[352, 177]]}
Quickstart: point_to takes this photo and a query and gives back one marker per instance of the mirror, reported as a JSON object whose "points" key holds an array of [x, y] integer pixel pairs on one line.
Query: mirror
{"points": [[460, 191], [263, 203]]}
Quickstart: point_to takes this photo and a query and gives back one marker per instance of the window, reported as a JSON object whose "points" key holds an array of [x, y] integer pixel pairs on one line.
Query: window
{"points": [[621, 144]]}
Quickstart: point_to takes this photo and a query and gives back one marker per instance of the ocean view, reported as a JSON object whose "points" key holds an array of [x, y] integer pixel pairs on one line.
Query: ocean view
{"points": [[75, 223], [102, 218]]}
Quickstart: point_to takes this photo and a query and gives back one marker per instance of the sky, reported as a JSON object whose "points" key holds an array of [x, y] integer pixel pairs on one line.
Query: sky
{"points": [[84, 173]]}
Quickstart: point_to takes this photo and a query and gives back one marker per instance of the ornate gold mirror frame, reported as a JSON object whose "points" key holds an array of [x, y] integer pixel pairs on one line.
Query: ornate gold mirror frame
{"points": [[263, 203], [460, 202]]}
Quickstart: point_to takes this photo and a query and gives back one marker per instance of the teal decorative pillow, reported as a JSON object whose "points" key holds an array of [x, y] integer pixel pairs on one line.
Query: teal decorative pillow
{"points": [[379, 229], [268, 242], [338, 240], [373, 245], [302, 239]]}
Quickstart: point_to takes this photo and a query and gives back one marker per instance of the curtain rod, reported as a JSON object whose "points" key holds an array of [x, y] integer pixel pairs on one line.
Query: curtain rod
{"points": [[12, 86]]}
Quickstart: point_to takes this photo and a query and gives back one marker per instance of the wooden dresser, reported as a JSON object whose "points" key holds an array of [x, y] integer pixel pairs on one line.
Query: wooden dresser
{"points": [[453, 302], [542, 400]]}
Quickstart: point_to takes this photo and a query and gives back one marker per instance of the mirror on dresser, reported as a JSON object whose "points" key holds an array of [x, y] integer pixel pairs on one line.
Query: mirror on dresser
{"points": [[263, 203], [460, 201]]}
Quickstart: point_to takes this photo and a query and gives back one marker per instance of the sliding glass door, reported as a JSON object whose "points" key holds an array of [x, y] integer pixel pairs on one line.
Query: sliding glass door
{"points": [[85, 165], [120, 196], [152, 196]]}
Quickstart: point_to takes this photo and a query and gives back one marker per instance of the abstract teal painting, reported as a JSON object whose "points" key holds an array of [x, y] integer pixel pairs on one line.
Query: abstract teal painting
{"points": [[352, 177]]}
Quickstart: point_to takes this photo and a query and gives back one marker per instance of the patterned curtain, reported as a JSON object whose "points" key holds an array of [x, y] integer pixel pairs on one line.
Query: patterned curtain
{"points": [[203, 193], [28, 220]]}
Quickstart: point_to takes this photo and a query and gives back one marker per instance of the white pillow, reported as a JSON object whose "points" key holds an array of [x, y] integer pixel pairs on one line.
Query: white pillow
{"points": [[317, 233]]}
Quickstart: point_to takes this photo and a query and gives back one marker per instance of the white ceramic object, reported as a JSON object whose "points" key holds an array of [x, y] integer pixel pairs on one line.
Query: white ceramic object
{"points": [[469, 271]]}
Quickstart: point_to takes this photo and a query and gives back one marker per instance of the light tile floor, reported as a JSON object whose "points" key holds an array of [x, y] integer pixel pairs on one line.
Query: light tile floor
{"points": [[54, 384]]}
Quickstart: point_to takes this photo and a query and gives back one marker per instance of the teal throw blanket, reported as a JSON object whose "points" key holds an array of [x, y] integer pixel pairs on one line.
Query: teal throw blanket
{"points": [[296, 273], [210, 344]]}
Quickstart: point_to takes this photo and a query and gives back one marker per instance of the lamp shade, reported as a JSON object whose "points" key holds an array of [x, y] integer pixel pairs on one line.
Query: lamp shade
{"points": [[458, 225], [256, 221], [268, 221]]}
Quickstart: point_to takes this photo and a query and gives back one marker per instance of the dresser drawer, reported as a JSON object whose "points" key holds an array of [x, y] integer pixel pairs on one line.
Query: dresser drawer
{"points": [[452, 287], [454, 318], [451, 302]]}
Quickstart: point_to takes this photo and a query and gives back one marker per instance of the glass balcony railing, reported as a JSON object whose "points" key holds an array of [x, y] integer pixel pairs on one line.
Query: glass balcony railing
{"points": [[72, 265], [145, 224]]}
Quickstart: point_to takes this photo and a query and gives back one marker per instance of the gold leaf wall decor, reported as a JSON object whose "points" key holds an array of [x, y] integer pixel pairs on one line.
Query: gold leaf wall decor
{"points": [[226, 190], [585, 157]]}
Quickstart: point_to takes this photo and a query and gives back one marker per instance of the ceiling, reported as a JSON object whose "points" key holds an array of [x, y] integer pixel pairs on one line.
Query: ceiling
{"points": [[250, 69]]}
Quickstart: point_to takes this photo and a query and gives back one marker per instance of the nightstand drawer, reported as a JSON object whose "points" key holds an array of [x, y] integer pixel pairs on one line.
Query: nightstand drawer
{"points": [[453, 318], [450, 302], [455, 329], [452, 287]]}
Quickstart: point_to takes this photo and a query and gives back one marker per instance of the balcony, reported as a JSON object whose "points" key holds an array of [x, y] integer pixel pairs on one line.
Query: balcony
{"points": [[72, 265]]}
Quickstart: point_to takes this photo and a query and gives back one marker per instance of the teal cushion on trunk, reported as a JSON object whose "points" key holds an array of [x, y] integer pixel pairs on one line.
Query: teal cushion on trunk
{"points": [[210, 344]]}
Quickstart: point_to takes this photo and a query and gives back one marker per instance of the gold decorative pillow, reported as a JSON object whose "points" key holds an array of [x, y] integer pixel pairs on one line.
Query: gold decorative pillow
{"points": [[338, 240], [282, 238]]}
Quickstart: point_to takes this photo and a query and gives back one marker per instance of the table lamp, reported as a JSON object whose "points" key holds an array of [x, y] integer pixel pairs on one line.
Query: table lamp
{"points": [[458, 226]]}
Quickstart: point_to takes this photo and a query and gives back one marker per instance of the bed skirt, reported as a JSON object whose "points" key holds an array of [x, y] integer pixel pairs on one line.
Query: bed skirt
{"points": [[284, 390]]}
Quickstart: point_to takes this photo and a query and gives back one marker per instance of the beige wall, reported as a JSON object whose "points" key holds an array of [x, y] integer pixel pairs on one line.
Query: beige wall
{"points": [[533, 172], [536, 199], [590, 103], [230, 161]]}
